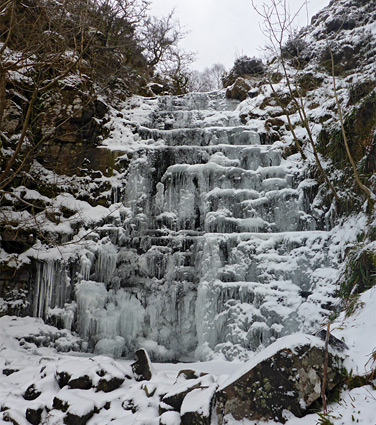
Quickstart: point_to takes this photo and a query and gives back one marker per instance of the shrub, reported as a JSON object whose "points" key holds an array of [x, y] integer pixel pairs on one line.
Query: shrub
{"points": [[245, 65], [294, 46]]}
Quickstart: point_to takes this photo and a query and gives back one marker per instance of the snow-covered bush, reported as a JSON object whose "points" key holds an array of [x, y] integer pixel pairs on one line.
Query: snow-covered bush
{"points": [[244, 65]]}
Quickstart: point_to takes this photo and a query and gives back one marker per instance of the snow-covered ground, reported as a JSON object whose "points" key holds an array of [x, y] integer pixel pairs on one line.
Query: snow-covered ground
{"points": [[32, 353]]}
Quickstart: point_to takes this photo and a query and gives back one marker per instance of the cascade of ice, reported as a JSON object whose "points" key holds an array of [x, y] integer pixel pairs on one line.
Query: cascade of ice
{"points": [[52, 287], [220, 252]]}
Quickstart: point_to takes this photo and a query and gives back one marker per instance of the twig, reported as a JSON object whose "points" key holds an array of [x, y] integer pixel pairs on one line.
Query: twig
{"points": [[325, 371]]}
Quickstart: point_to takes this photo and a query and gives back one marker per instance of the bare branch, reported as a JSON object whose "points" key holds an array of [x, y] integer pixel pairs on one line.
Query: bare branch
{"points": [[364, 188]]}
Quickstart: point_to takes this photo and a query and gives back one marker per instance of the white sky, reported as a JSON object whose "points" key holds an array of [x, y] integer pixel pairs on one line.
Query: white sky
{"points": [[221, 30]]}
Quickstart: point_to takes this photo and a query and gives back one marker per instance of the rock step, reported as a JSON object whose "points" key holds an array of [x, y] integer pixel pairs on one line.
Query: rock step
{"points": [[256, 293], [284, 209], [192, 101], [169, 120], [207, 136], [183, 180], [246, 157], [273, 247]]}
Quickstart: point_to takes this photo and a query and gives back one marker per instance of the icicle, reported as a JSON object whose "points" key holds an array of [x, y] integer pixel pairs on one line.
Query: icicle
{"points": [[106, 262]]}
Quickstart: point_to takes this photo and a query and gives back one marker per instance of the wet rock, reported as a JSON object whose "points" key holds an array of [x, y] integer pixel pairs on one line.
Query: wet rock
{"points": [[34, 416], [142, 366], [31, 393], [289, 379]]}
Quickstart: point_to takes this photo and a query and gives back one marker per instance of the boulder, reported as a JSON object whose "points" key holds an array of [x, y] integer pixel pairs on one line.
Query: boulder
{"points": [[239, 90], [175, 397], [156, 89], [111, 384], [73, 419], [81, 383], [142, 366], [31, 393], [179, 392], [149, 390], [60, 404], [78, 407], [197, 406], [62, 378], [286, 376], [164, 407], [12, 119], [34, 416]]}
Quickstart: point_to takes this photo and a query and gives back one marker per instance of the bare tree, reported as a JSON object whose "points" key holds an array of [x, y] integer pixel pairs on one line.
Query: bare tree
{"points": [[278, 27], [44, 45], [175, 69], [160, 37], [207, 80]]}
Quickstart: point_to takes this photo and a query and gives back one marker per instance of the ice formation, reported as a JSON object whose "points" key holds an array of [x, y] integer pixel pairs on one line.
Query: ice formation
{"points": [[219, 251]]}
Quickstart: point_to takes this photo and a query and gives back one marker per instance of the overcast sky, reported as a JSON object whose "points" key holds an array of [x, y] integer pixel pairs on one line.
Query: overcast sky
{"points": [[221, 30]]}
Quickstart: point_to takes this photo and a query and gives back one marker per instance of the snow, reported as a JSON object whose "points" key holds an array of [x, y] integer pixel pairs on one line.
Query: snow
{"points": [[210, 247], [353, 331], [39, 366], [199, 400], [291, 342]]}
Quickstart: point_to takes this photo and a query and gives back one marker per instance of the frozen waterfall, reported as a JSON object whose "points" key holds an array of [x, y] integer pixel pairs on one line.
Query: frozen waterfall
{"points": [[220, 252]]}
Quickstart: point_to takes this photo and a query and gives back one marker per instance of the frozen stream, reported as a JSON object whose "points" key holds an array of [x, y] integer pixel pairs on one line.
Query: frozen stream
{"points": [[219, 251]]}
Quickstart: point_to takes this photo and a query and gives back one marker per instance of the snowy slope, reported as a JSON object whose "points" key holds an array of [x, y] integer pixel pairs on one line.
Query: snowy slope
{"points": [[39, 365]]}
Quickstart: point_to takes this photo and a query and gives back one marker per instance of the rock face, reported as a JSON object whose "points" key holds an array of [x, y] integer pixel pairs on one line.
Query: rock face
{"points": [[239, 90], [72, 123], [290, 379]]}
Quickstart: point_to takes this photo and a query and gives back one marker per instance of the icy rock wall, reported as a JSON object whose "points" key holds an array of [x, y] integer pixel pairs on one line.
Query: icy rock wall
{"points": [[220, 252]]}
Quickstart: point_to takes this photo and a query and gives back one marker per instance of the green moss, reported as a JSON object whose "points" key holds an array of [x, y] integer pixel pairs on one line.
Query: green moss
{"points": [[360, 90], [308, 82], [360, 273], [359, 127]]}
